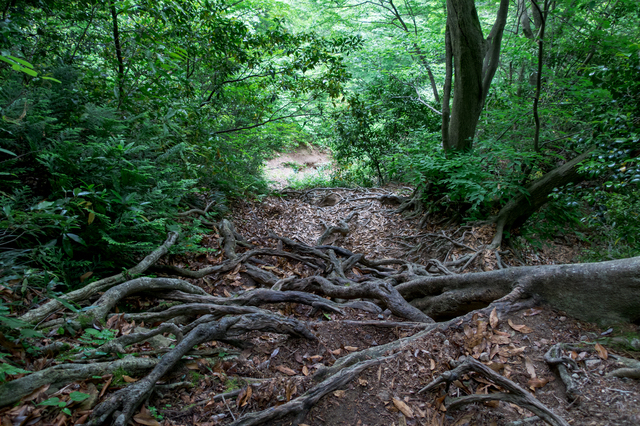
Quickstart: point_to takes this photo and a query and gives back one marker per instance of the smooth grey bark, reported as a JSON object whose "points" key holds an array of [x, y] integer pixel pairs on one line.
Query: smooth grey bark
{"points": [[525, 20], [603, 292]]}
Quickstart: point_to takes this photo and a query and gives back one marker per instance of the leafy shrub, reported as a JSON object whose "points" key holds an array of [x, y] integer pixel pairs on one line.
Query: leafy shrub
{"points": [[83, 190], [376, 122], [477, 182]]}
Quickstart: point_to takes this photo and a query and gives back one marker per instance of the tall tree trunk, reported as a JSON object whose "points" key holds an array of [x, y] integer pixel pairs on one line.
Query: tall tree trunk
{"points": [[536, 99], [432, 79], [446, 91], [475, 62], [467, 45], [116, 41], [525, 20]]}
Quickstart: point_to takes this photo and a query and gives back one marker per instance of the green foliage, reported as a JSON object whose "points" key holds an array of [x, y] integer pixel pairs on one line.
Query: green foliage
{"points": [[95, 337], [374, 123], [14, 327], [154, 412], [476, 182], [615, 222], [73, 398], [96, 163], [7, 369]]}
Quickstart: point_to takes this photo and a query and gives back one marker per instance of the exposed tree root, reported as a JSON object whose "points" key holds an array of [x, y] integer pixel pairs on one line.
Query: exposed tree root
{"points": [[341, 279], [553, 358], [229, 265], [124, 402], [380, 290], [118, 345], [41, 313], [597, 292], [631, 369], [342, 228], [515, 394], [63, 374], [110, 298], [304, 403]]}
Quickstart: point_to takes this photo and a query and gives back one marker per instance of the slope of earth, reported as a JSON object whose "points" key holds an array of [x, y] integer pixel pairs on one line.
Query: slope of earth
{"points": [[347, 362], [298, 164], [514, 346]]}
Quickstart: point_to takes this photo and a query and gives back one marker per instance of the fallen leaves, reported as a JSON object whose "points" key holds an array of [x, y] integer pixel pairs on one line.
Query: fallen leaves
{"points": [[493, 319], [520, 328], [129, 379], [403, 407], [602, 352], [244, 397], [285, 370], [144, 417]]}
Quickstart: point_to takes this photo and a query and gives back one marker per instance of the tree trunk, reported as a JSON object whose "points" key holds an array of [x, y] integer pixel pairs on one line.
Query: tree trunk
{"points": [[536, 98], [446, 91], [467, 46], [432, 80], [475, 61], [116, 41], [520, 208], [604, 292], [525, 21]]}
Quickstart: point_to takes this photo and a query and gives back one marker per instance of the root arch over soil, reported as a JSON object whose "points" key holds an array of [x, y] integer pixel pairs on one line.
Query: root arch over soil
{"points": [[328, 279]]}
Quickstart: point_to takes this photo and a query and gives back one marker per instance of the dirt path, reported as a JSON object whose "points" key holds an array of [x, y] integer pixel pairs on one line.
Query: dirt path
{"points": [[301, 163], [387, 394], [224, 381]]}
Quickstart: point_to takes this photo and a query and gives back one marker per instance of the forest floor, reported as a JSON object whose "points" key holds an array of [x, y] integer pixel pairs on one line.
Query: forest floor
{"points": [[274, 369], [389, 393]]}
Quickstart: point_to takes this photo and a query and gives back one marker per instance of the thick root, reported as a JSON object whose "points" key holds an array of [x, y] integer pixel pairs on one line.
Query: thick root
{"points": [[125, 401], [515, 394]]}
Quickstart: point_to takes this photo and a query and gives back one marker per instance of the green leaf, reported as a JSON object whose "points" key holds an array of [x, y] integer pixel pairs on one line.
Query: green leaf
{"points": [[44, 205], [76, 238], [66, 245], [66, 304], [8, 152], [28, 332], [20, 61], [25, 70], [13, 322], [52, 79], [78, 396], [8, 369], [51, 401]]}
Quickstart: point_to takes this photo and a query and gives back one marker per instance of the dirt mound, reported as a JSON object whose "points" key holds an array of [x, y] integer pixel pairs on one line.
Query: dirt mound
{"points": [[303, 161]]}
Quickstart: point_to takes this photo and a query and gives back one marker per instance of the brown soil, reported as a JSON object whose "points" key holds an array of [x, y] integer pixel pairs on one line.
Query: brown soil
{"points": [[297, 164], [280, 368], [284, 366], [519, 356]]}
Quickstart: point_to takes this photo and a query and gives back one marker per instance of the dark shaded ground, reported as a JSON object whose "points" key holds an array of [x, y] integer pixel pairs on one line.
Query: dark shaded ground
{"points": [[273, 369]]}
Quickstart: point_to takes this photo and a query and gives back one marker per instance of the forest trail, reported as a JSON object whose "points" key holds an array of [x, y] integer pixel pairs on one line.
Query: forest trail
{"points": [[387, 394], [364, 365], [296, 164]]}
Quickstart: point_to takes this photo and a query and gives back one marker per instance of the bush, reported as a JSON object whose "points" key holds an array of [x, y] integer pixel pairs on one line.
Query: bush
{"points": [[476, 182]]}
